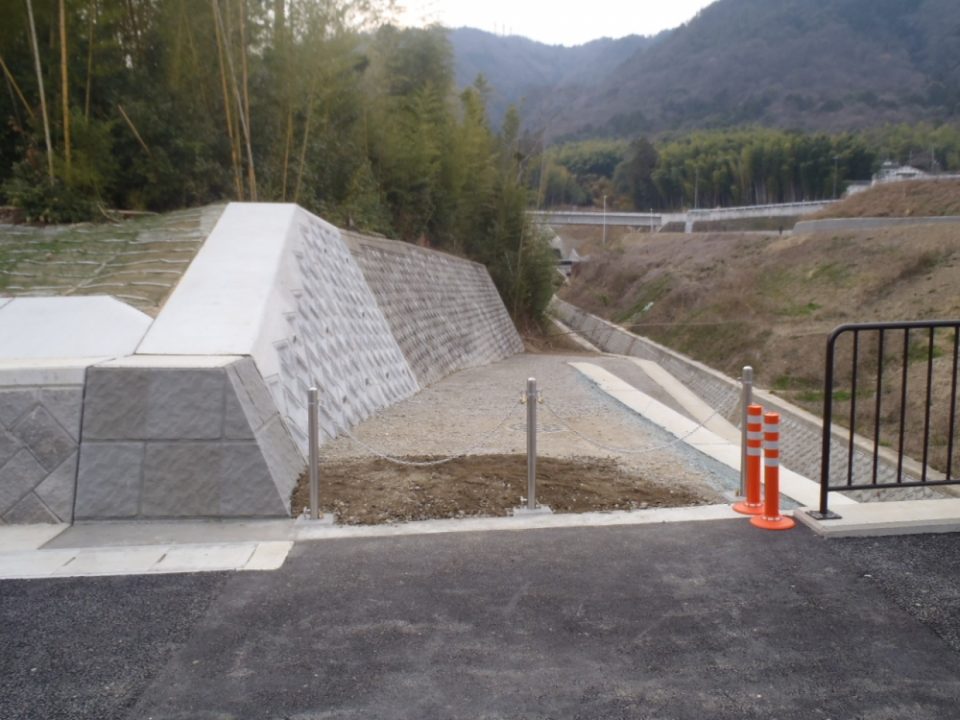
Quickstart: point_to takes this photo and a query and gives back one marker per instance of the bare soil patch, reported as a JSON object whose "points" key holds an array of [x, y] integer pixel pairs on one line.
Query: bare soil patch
{"points": [[375, 492]]}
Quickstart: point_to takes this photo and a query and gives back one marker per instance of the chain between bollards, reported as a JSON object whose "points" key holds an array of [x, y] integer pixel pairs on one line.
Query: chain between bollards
{"points": [[747, 399], [313, 429]]}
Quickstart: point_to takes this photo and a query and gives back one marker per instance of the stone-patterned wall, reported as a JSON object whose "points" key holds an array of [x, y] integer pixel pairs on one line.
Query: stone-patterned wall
{"points": [[445, 312], [39, 437], [164, 441], [801, 434], [338, 340]]}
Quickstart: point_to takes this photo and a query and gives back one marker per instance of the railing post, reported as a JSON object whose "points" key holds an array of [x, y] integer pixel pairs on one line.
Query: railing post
{"points": [[532, 444], [313, 430], [747, 400]]}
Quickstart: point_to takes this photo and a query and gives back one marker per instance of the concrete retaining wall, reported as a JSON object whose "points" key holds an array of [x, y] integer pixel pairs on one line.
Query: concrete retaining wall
{"points": [[843, 224], [202, 412], [801, 435], [444, 311], [182, 437]]}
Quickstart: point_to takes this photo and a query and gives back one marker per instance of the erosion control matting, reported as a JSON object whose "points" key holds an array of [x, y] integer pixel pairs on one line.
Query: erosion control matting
{"points": [[686, 621], [371, 492]]}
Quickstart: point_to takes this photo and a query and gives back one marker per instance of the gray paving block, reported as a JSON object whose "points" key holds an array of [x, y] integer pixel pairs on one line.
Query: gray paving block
{"points": [[9, 446], [66, 405], [282, 456], [246, 487], [109, 480], [238, 411], [59, 489], [30, 511], [181, 480], [15, 403], [19, 476], [185, 404], [115, 404], [44, 437]]}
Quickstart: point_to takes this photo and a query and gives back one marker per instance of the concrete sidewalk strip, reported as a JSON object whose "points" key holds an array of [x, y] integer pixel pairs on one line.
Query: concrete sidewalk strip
{"points": [[697, 513], [690, 401], [144, 559], [906, 517], [196, 558], [14, 538], [795, 486], [33, 564]]}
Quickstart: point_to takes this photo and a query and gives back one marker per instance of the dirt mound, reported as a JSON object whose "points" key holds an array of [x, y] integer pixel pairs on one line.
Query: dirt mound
{"points": [[374, 492], [921, 198]]}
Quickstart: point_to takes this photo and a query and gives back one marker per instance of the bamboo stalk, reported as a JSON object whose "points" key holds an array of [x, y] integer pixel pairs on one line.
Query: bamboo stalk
{"points": [[286, 151], [134, 128], [251, 172], [303, 148], [13, 82], [233, 78], [93, 22], [226, 100], [65, 79], [43, 95]]}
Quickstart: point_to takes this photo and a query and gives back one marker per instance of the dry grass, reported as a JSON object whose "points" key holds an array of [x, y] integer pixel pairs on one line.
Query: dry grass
{"points": [[932, 198], [770, 302]]}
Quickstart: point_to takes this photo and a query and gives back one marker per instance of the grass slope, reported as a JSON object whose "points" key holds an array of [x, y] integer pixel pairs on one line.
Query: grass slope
{"points": [[921, 198]]}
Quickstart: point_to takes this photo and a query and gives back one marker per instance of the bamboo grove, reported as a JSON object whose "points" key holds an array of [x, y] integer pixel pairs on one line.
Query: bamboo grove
{"points": [[160, 104]]}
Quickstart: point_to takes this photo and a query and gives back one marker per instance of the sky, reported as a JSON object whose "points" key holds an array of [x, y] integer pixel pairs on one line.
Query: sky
{"points": [[556, 22]]}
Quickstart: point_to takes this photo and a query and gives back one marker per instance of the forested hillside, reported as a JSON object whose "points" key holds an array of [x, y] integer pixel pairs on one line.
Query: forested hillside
{"points": [[826, 65], [161, 104]]}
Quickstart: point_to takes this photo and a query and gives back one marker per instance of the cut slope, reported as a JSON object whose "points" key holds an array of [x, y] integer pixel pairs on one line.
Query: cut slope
{"points": [[915, 198]]}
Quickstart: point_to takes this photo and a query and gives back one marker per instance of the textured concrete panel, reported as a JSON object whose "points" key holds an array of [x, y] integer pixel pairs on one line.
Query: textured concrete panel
{"points": [[116, 403], [252, 392], [236, 426], [246, 488], [444, 311], [14, 404], [19, 476], [109, 480], [43, 436], [185, 405], [66, 405], [281, 455], [69, 327], [57, 491], [9, 446], [30, 511], [181, 480]]}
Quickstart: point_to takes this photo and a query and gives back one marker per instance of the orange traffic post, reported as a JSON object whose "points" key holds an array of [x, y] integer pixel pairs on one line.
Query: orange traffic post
{"points": [[753, 505], [771, 518]]}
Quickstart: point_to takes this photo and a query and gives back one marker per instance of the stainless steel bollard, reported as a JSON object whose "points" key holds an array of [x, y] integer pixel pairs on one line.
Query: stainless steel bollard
{"points": [[313, 430], [747, 399], [532, 444]]}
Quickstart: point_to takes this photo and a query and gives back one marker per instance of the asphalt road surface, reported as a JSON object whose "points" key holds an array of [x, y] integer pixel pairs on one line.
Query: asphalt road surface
{"points": [[679, 621]]}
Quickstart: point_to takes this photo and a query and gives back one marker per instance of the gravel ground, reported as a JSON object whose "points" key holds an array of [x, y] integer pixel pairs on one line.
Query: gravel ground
{"points": [[454, 413]]}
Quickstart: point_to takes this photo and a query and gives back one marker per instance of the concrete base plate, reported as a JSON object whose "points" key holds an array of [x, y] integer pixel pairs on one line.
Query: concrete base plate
{"points": [[527, 512], [908, 517]]}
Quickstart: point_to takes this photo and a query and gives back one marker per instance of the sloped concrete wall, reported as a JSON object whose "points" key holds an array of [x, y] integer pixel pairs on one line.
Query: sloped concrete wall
{"points": [[444, 311], [182, 437]]}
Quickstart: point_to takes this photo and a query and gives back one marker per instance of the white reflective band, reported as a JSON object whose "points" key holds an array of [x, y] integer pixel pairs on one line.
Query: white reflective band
{"points": [[771, 444], [751, 435], [753, 451], [771, 462], [771, 427]]}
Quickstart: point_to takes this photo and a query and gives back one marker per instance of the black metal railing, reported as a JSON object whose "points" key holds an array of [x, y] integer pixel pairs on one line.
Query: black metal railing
{"points": [[874, 381]]}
